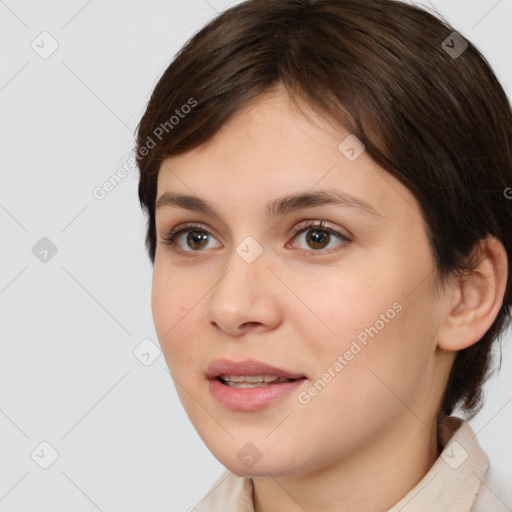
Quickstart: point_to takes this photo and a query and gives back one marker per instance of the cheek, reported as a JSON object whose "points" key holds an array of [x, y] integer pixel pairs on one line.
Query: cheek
{"points": [[172, 317], [392, 371], [343, 309], [360, 388], [370, 334]]}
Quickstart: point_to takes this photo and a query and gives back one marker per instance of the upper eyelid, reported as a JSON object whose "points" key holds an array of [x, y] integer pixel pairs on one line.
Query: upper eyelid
{"points": [[190, 226], [304, 224], [318, 224]]}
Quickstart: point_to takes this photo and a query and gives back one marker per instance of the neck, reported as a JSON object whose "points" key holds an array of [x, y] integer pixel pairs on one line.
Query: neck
{"points": [[373, 479]]}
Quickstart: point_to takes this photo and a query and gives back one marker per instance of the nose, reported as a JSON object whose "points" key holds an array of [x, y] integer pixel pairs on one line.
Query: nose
{"points": [[245, 297]]}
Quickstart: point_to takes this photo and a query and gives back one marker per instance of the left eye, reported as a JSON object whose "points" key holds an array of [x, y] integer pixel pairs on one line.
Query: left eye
{"points": [[317, 236]]}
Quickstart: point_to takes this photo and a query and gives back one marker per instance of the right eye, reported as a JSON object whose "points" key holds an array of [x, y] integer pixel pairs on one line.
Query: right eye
{"points": [[197, 238]]}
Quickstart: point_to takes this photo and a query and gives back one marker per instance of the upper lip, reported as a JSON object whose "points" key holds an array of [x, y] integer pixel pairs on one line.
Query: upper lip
{"points": [[247, 367]]}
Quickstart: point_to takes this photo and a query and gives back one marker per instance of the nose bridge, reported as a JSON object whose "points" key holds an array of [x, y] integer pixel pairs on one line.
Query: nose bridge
{"points": [[240, 295], [245, 268]]}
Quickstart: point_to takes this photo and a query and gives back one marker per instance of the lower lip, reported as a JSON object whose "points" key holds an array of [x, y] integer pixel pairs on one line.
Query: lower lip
{"points": [[251, 399]]}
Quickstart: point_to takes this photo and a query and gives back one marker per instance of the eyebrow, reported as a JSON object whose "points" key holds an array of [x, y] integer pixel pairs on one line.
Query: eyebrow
{"points": [[276, 208]]}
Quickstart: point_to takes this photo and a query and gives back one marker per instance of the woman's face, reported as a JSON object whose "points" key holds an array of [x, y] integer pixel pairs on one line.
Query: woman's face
{"points": [[347, 309]]}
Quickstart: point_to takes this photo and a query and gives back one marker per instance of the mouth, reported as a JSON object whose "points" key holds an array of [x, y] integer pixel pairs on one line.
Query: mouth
{"points": [[248, 368], [251, 381], [250, 385]]}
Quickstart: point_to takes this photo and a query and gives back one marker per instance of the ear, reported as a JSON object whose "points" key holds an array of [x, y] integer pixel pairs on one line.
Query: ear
{"points": [[477, 298]]}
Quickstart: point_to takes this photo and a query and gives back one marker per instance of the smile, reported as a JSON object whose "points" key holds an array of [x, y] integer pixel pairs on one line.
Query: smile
{"points": [[251, 381]]}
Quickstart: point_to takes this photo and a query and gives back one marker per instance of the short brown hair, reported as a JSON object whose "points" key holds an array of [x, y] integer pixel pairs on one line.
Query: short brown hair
{"points": [[438, 121]]}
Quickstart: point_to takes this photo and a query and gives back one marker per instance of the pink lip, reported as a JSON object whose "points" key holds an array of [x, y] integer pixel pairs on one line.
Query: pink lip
{"points": [[249, 399], [246, 367]]}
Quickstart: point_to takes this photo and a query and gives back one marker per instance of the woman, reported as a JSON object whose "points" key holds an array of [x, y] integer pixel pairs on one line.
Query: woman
{"points": [[326, 189]]}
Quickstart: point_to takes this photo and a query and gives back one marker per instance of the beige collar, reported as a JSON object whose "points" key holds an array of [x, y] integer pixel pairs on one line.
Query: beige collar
{"points": [[451, 484]]}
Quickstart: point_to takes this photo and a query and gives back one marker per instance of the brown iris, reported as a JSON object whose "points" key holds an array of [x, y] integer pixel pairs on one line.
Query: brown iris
{"points": [[317, 238], [197, 237]]}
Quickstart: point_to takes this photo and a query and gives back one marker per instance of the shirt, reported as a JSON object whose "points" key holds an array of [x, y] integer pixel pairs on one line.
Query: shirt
{"points": [[455, 483]]}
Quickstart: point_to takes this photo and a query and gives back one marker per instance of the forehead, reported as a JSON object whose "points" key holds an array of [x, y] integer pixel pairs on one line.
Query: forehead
{"points": [[269, 149]]}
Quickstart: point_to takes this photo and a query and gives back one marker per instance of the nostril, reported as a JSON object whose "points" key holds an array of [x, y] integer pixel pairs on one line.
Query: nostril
{"points": [[251, 324]]}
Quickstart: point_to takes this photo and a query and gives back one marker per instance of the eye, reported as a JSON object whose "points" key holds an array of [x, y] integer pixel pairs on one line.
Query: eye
{"points": [[197, 238], [317, 236]]}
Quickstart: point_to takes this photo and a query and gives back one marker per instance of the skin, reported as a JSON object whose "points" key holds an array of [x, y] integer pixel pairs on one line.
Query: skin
{"points": [[369, 436]]}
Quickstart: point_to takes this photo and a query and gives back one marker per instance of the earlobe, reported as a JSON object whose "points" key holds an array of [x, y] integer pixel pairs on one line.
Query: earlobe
{"points": [[478, 299]]}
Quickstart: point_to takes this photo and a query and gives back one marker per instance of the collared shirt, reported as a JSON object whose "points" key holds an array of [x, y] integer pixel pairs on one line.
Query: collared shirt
{"points": [[455, 483]]}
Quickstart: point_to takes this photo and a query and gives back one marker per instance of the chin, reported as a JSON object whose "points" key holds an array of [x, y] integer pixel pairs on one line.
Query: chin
{"points": [[264, 468], [258, 470]]}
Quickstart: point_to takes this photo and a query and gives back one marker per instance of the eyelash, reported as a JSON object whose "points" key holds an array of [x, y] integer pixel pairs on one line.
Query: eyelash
{"points": [[172, 237]]}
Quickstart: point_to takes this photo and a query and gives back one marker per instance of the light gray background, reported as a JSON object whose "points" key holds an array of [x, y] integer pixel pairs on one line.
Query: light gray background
{"points": [[69, 326]]}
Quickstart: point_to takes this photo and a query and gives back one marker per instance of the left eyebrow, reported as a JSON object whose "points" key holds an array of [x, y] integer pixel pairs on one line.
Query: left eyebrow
{"points": [[287, 204], [276, 208]]}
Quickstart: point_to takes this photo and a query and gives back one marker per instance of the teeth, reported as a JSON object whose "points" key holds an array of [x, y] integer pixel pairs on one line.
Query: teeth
{"points": [[247, 384], [251, 379], [233, 378]]}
